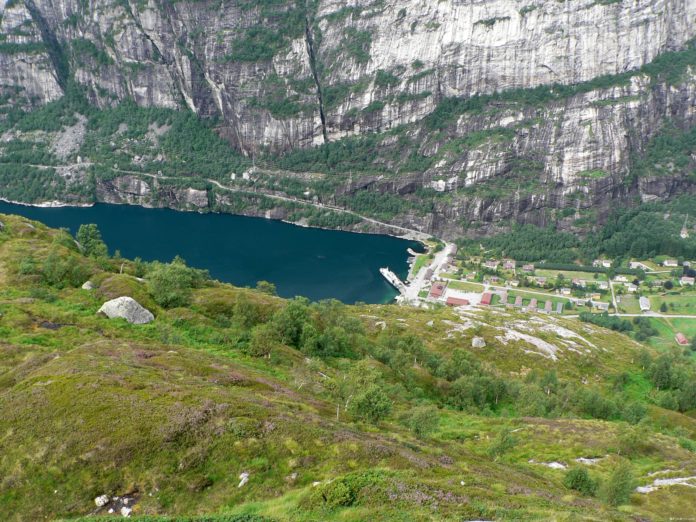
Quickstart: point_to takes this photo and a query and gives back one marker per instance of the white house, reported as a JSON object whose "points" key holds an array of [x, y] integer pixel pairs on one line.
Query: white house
{"points": [[644, 303], [670, 262]]}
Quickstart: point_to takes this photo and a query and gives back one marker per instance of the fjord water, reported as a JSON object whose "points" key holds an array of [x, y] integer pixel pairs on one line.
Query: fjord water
{"points": [[318, 264]]}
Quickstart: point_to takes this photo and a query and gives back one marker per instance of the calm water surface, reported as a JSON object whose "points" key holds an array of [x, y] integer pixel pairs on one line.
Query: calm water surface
{"points": [[318, 264]]}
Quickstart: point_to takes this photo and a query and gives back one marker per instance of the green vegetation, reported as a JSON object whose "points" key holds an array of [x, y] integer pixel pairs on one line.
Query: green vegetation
{"points": [[357, 44], [22, 48], [490, 22], [530, 243], [278, 22], [386, 79], [669, 67], [579, 480], [607, 321], [89, 238], [86, 48], [228, 381], [618, 488], [645, 231], [171, 284], [115, 135]]}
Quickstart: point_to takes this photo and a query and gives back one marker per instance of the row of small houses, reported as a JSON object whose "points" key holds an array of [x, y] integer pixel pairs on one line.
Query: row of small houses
{"points": [[507, 264], [582, 283], [541, 282], [511, 264]]}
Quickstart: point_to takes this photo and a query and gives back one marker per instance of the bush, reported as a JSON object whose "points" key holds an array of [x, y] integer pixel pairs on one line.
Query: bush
{"points": [[503, 443], [171, 284], [422, 420], [617, 489], [263, 339], [346, 491], [372, 404], [579, 480], [633, 442], [290, 321], [60, 270], [634, 412], [607, 321], [336, 494]]}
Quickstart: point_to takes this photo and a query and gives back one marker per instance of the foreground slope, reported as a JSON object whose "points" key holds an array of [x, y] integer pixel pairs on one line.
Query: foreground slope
{"points": [[239, 405]]}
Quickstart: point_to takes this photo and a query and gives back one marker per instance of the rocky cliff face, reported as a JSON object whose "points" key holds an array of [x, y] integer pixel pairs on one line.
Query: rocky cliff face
{"points": [[282, 76], [239, 59]]}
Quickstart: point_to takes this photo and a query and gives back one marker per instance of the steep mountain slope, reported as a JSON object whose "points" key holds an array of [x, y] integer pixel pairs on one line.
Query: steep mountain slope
{"points": [[241, 406], [446, 105]]}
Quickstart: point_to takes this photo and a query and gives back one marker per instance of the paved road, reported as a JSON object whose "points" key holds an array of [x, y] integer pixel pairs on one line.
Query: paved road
{"points": [[409, 232], [437, 265], [652, 314], [613, 295], [660, 316]]}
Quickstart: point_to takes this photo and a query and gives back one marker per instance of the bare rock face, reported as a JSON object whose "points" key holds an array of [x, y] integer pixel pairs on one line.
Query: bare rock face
{"points": [[339, 68], [127, 308], [379, 64]]}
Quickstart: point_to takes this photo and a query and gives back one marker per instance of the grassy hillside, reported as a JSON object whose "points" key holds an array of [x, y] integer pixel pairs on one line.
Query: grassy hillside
{"points": [[330, 411]]}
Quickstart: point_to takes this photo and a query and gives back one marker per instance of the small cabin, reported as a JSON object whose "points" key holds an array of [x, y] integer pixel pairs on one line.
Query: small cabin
{"points": [[681, 339]]}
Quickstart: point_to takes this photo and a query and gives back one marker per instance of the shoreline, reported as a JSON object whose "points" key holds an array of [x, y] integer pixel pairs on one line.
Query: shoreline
{"points": [[416, 236], [387, 299], [47, 204]]}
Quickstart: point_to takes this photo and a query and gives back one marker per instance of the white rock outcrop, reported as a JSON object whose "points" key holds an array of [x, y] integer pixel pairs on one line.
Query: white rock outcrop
{"points": [[478, 342], [127, 308]]}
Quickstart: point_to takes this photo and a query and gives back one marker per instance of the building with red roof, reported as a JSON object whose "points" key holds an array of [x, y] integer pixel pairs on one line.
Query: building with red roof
{"points": [[486, 298], [437, 290], [681, 339], [457, 301]]}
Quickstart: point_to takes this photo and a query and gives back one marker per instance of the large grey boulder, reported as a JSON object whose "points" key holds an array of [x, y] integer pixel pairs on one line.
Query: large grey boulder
{"points": [[128, 309], [478, 342]]}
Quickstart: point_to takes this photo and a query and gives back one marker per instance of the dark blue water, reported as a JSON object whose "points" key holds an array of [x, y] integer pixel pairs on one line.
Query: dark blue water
{"points": [[318, 264]]}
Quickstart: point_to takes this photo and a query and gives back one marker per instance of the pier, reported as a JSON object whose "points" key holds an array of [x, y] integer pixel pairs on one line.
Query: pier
{"points": [[393, 280]]}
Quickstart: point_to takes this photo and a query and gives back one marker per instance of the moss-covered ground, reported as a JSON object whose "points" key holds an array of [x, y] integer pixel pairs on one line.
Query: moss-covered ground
{"points": [[173, 412]]}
